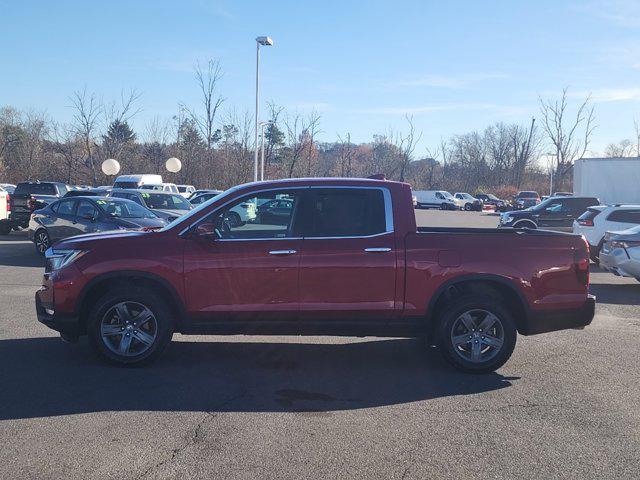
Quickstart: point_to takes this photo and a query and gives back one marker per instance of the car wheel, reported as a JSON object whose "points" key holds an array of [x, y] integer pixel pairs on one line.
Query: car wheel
{"points": [[444, 206], [476, 333], [235, 220], [525, 224], [130, 326], [5, 228], [41, 240], [467, 207]]}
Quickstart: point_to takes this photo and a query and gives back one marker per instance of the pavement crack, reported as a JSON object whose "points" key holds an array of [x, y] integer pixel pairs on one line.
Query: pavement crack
{"points": [[196, 436]]}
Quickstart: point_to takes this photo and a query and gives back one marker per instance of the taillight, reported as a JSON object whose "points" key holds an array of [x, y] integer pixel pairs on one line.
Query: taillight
{"points": [[581, 262], [32, 203], [8, 203], [585, 223]]}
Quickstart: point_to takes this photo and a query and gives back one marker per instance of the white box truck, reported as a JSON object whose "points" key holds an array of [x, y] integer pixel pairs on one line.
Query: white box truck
{"points": [[611, 180]]}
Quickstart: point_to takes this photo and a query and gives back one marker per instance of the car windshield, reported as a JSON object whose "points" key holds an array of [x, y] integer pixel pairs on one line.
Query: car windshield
{"points": [[119, 208], [165, 201], [125, 185], [527, 195]]}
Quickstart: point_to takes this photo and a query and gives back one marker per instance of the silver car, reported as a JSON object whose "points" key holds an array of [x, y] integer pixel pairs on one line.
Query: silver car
{"points": [[620, 253]]}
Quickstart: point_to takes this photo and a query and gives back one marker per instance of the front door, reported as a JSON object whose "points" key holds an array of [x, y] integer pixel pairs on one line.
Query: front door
{"points": [[250, 269], [555, 215], [349, 258]]}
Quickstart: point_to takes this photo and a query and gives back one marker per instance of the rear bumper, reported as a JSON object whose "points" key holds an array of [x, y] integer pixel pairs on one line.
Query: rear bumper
{"points": [[542, 322], [64, 323]]}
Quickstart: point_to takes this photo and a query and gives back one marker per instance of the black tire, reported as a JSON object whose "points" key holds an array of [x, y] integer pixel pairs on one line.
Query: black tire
{"points": [[448, 328], [163, 330], [468, 207], [5, 228], [41, 241], [444, 206], [525, 224], [235, 220]]}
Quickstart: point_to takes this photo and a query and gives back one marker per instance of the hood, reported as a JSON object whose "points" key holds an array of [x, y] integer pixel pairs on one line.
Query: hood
{"points": [[631, 234], [86, 240]]}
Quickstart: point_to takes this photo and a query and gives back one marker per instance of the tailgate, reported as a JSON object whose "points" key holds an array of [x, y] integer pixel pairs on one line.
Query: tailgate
{"points": [[20, 203]]}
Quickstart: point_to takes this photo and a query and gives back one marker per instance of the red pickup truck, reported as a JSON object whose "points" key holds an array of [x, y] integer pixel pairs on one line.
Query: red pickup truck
{"points": [[316, 257]]}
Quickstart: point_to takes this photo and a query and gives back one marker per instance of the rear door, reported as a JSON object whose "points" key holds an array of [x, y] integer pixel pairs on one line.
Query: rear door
{"points": [[349, 258], [61, 225]]}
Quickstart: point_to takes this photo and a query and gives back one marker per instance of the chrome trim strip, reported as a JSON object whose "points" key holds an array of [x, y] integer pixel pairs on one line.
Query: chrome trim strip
{"points": [[282, 252], [377, 249]]}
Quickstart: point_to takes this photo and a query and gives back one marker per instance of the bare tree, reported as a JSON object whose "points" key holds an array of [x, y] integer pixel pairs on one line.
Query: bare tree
{"points": [[312, 130], [624, 148], [208, 79], [636, 127], [524, 143], [87, 110], [346, 154], [406, 145], [569, 136]]}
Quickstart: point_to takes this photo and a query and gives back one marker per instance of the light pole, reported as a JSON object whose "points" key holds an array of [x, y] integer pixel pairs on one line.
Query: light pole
{"points": [[550, 171], [267, 42], [262, 125]]}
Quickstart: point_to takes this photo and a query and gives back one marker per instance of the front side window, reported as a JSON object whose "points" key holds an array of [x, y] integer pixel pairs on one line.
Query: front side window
{"points": [[259, 216], [65, 207], [165, 201], [86, 210], [344, 212]]}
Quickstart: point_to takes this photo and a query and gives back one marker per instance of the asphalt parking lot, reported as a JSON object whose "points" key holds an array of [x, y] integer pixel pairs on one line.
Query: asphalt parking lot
{"points": [[564, 406]]}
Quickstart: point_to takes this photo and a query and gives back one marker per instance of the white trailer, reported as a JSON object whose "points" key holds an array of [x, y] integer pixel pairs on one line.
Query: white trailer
{"points": [[611, 180]]}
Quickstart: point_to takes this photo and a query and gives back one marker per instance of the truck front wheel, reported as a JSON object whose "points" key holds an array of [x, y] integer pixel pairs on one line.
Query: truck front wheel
{"points": [[476, 333], [129, 326]]}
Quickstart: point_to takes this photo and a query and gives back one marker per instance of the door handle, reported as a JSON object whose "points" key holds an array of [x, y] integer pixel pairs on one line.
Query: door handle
{"points": [[282, 252], [377, 249]]}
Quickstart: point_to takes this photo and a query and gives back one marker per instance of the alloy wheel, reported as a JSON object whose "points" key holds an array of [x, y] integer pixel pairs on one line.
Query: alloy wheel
{"points": [[477, 335], [42, 241], [129, 328]]}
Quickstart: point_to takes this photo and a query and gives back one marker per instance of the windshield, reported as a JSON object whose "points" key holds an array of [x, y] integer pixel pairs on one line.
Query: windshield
{"points": [[120, 208], [165, 201], [527, 195]]}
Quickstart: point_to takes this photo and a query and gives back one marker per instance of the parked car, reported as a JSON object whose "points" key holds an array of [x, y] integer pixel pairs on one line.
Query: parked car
{"points": [[598, 220], [78, 215], [468, 202], [490, 199], [136, 180], [8, 187], [202, 196], [162, 187], [556, 213], [28, 197], [526, 199], [186, 190], [4, 207], [88, 192], [166, 205], [349, 260], [620, 253], [435, 199]]}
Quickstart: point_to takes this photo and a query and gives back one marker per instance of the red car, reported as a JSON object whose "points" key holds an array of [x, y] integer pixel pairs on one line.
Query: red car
{"points": [[330, 257]]}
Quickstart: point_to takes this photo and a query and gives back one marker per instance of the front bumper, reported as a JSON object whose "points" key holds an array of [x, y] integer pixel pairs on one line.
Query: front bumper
{"points": [[68, 325], [619, 262], [551, 321]]}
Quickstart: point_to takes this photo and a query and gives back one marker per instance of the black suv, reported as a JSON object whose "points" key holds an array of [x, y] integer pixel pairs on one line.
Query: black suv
{"points": [[31, 196], [556, 213]]}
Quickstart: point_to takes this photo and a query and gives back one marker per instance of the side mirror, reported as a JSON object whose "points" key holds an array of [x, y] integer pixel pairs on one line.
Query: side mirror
{"points": [[207, 231]]}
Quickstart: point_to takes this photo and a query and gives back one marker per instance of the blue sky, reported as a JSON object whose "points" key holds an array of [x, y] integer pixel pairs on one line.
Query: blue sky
{"points": [[455, 66]]}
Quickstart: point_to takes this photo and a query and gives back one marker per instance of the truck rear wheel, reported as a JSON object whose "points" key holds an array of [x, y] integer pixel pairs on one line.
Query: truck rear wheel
{"points": [[476, 333], [130, 326]]}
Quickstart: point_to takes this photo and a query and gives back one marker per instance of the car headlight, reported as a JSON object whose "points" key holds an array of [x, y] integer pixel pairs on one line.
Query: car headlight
{"points": [[58, 259], [507, 219]]}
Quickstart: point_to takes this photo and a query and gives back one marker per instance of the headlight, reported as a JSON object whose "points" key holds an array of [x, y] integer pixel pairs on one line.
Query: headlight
{"points": [[507, 219], [57, 259]]}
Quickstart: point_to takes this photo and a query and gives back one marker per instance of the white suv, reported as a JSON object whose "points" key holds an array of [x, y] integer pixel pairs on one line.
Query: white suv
{"points": [[600, 219]]}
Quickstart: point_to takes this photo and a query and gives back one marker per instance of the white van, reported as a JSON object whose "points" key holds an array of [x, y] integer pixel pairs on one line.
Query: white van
{"points": [[435, 199], [136, 180]]}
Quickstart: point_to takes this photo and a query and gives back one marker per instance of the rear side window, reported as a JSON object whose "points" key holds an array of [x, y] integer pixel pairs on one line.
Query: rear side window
{"points": [[590, 214], [343, 212], [625, 216], [64, 207], [35, 189]]}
